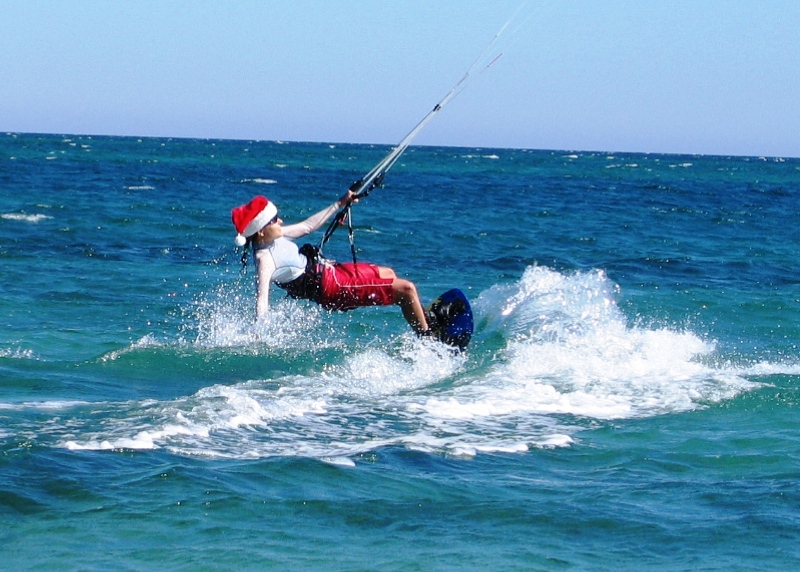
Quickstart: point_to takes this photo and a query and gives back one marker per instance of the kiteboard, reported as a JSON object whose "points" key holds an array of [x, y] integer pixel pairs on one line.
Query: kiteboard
{"points": [[450, 319]]}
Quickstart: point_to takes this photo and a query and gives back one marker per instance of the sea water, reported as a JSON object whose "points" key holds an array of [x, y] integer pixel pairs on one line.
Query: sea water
{"points": [[628, 401]]}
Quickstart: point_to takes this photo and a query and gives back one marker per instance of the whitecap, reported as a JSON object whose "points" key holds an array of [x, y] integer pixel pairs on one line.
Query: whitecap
{"points": [[339, 461], [32, 218]]}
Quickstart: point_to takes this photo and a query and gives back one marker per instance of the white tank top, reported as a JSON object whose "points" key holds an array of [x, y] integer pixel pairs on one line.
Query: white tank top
{"points": [[284, 257]]}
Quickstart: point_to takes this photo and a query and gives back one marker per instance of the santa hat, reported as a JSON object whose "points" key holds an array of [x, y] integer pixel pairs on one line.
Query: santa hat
{"points": [[252, 217]]}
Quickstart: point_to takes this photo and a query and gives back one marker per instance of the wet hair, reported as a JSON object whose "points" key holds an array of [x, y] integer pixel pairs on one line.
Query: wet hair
{"points": [[246, 253]]}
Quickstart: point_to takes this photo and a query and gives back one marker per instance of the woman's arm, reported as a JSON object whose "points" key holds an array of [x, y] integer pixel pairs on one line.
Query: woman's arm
{"points": [[265, 268], [311, 224], [314, 222]]}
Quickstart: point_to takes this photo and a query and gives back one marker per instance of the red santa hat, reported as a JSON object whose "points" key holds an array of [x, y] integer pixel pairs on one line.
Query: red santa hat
{"points": [[252, 217]]}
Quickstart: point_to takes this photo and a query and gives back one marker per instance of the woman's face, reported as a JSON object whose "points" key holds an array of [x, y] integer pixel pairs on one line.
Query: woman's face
{"points": [[273, 230]]}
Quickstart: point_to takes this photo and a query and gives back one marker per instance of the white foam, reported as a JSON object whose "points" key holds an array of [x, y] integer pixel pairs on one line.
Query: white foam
{"points": [[373, 372], [147, 439]]}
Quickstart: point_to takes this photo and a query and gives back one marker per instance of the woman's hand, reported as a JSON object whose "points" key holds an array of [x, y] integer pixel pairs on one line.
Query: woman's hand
{"points": [[347, 199]]}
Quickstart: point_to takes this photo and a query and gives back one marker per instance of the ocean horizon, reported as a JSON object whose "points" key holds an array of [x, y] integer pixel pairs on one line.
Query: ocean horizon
{"points": [[388, 145]]}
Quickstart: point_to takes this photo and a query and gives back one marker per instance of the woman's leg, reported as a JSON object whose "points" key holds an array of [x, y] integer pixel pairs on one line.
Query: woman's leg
{"points": [[405, 295]]}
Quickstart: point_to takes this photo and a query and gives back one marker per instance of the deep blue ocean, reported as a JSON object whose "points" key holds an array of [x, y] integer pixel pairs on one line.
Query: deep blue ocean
{"points": [[629, 400]]}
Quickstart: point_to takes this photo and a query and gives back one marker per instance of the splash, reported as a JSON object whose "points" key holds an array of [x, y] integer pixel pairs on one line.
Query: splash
{"points": [[567, 359], [354, 406], [571, 351], [225, 318]]}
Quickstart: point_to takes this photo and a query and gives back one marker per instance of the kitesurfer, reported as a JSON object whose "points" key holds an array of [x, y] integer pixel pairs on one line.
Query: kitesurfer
{"points": [[299, 271]]}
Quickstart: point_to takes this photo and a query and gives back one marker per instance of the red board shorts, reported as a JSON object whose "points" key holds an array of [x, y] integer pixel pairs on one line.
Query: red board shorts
{"points": [[347, 286]]}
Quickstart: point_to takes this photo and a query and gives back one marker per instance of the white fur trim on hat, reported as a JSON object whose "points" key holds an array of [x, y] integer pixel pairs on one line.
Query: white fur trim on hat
{"points": [[261, 219]]}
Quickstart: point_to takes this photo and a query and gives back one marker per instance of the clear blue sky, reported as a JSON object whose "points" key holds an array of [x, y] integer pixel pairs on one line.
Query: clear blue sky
{"points": [[688, 76]]}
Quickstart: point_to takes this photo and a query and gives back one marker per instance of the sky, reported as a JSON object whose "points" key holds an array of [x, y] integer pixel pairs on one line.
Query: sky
{"points": [[679, 76]]}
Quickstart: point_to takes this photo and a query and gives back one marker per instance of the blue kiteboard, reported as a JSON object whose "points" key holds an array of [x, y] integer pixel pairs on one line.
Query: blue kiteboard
{"points": [[450, 319]]}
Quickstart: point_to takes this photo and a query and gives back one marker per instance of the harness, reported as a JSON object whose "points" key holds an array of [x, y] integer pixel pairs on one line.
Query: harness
{"points": [[307, 286]]}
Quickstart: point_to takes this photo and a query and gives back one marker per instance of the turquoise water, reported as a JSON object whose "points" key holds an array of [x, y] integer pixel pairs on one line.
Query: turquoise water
{"points": [[628, 401]]}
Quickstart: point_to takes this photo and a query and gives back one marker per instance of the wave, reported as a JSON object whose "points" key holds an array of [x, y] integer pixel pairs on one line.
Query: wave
{"points": [[570, 350], [148, 341], [553, 354]]}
